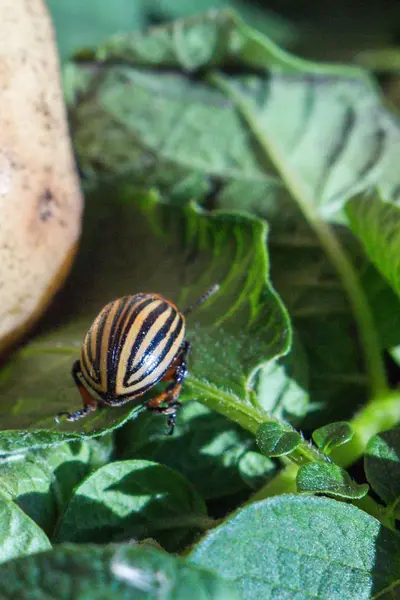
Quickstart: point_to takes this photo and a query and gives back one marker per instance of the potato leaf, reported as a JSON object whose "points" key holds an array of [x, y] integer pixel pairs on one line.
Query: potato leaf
{"points": [[377, 224], [382, 467], [207, 448], [148, 245], [327, 123], [132, 499], [109, 572], [303, 547], [283, 385], [19, 535], [206, 117], [41, 482]]}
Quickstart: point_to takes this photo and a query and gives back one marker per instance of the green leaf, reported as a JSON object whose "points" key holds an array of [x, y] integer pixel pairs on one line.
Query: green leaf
{"points": [[317, 303], [42, 481], [82, 24], [274, 439], [385, 305], [332, 435], [160, 117], [336, 383], [267, 21], [328, 478], [327, 124], [382, 466], [148, 245], [19, 535], [377, 224], [109, 573], [206, 448], [133, 499], [102, 450], [303, 547]]}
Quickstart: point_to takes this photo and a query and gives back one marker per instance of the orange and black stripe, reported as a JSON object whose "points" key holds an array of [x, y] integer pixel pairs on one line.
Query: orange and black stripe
{"points": [[130, 346]]}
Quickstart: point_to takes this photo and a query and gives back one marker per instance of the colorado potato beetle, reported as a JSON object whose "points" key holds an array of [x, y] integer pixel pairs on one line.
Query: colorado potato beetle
{"points": [[134, 342]]}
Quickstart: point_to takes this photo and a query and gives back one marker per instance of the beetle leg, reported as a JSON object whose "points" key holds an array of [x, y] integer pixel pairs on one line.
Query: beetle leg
{"points": [[89, 403], [170, 375], [177, 373]]}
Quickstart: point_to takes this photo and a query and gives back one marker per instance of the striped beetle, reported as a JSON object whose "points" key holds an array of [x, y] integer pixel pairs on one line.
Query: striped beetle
{"points": [[134, 342]]}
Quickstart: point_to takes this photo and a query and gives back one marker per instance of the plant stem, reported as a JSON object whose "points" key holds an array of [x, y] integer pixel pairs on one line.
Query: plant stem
{"points": [[377, 415], [306, 202], [248, 417], [283, 483], [381, 413]]}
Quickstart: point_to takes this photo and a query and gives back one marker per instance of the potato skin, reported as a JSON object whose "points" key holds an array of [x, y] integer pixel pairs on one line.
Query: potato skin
{"points": [[40, 198]]}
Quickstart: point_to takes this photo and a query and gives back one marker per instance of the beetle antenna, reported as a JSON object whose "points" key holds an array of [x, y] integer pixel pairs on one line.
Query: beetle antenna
{"points": [[210, 292]]}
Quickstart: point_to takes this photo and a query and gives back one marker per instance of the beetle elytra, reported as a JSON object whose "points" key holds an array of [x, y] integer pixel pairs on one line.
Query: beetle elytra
{"points": [[134, 342]]}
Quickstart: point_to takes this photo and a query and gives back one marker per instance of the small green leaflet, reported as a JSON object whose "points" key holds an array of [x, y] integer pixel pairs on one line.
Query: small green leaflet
{"points": [[328, 478], [275, 439], [332, 435]]}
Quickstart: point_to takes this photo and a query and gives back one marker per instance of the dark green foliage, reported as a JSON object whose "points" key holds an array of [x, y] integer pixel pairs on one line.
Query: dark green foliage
{"points": [[132, 499], [210, 156], [106, 573], [382, 467]]}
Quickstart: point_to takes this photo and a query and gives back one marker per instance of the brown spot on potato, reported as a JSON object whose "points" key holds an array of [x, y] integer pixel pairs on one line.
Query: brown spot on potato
{"points": [[47, 204]]}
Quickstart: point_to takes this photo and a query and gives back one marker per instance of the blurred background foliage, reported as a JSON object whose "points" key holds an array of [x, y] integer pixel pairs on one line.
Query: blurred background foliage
{"points": [[366, 32]]}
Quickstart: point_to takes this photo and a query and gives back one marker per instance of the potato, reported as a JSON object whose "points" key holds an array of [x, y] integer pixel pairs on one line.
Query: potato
{"points": [[40, 199]]}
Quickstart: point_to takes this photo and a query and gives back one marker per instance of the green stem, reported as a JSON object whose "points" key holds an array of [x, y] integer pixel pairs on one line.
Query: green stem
{"points": [[306, 202], [248, 417], [283, 483], [380, 414], [377, 415]]}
